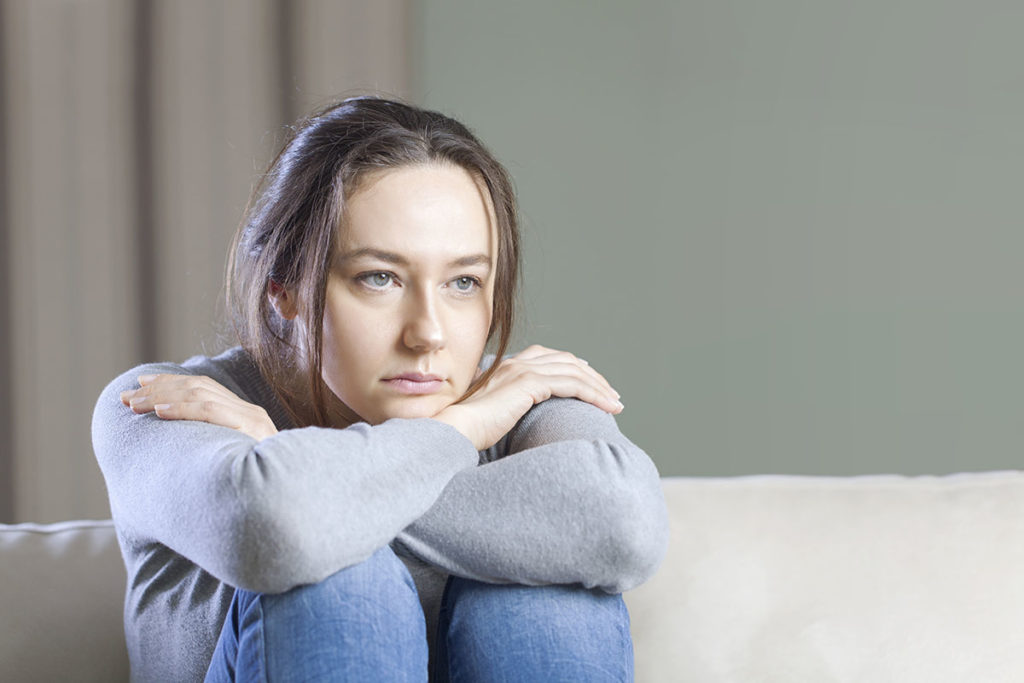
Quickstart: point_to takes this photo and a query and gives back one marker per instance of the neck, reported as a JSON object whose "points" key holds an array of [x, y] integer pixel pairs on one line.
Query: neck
{"points": [[297, 388]]}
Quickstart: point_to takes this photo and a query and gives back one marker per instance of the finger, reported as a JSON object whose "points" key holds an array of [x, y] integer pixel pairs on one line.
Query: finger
{"points": [[561, 365], [598, 377], [149, 384], [570, 377], [603, 380], [572, 387], [144, 400], [537, 353], [176, 380], [213, 412], [247, 418]]}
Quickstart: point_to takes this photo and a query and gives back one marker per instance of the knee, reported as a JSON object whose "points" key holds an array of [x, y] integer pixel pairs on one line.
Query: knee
{"points": [[554, 607], [360, 622], [381, 582], [566, 631]]}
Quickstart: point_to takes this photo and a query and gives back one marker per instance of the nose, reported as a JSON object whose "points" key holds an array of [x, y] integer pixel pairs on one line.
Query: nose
{"points": [[424, 329]]}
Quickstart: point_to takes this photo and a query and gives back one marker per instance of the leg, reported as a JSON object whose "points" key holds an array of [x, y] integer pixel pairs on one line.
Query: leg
{"points": [[498, 633], [362, 623]]}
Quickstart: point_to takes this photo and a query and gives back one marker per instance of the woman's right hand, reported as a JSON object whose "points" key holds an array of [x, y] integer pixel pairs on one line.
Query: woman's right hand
{"points": [[521, 381], [198, 398]]}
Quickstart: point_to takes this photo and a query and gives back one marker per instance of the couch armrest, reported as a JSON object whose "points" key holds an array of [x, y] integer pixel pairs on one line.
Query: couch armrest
{"points": [[61, 596]]}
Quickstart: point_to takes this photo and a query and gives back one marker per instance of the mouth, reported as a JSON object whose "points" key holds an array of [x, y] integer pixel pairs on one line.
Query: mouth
{"points": [[415, 383]]}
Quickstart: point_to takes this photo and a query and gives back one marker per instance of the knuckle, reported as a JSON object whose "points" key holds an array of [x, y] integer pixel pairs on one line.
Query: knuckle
{"points": [[521, 372]]}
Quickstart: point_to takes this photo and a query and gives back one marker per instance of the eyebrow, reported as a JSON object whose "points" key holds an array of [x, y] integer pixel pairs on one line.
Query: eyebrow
{"points": [[399, 260]]}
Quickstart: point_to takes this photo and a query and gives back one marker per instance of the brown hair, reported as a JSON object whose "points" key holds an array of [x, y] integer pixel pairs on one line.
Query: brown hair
{"points": [[288, 234]]}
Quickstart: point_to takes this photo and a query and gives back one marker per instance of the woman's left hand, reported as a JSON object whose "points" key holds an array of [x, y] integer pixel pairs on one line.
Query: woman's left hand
{"points": [[192, 397]]}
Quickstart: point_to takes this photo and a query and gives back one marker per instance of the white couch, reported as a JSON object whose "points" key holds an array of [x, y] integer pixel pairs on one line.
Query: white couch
{"points": [[768, 578]]}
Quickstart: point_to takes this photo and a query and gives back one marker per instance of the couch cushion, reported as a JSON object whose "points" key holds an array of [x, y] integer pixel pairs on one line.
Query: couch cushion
{"points": [[872, 578], [61, 596]]}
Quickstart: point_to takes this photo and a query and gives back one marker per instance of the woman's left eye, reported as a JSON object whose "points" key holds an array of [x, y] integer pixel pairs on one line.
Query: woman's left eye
{"points": [[466, 283]]}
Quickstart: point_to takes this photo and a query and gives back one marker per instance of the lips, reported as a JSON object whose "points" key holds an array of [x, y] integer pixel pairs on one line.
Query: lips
{"points": [[415, 383], [416, 377]]}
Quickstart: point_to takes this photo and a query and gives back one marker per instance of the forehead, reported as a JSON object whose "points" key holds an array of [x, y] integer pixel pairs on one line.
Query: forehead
{"points": [[427, 210]]}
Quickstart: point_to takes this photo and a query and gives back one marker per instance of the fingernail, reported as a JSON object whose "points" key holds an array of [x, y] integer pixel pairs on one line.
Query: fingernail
{"points": [[161, 406], [137, 400], [146, 378], [619, 405], [126, 394]]}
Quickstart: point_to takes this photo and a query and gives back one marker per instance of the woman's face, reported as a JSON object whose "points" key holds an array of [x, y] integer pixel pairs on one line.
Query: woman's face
{"points": [[410, 294]]}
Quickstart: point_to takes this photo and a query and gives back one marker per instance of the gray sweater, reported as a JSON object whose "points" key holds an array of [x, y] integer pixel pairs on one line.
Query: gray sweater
{"points": [[201, 509]]}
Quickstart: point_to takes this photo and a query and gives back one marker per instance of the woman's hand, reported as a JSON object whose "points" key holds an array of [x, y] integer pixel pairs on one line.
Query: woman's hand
{"points": [[190, 397], [520, 382]]}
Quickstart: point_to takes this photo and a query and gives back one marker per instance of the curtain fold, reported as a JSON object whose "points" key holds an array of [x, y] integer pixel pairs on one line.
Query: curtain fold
{"points": [[132, 134]]}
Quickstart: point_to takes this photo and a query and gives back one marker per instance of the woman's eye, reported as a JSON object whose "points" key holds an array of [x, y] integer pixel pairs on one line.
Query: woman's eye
{"points": [[377, 280], [466, 283]]}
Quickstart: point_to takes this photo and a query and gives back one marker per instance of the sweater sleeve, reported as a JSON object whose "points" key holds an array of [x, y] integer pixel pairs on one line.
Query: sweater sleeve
{"points": [[269, 515], [571, 501]]}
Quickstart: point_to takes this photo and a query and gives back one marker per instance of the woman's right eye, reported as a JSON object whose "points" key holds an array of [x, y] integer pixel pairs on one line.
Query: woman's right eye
{"points": [[378, 280]]}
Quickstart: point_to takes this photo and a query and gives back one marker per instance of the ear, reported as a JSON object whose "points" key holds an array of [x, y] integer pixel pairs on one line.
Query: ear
{"points": [[283, 300]]}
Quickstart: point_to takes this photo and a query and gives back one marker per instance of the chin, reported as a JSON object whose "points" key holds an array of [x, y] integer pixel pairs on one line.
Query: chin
{"points": [[409, 409]]}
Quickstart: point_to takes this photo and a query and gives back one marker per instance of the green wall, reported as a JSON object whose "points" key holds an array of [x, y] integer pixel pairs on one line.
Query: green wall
{"points": [[789, 233]]}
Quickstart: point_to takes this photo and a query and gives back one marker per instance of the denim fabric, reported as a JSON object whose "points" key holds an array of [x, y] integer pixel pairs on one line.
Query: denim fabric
{"points": [[511, 633], [365, 623]]}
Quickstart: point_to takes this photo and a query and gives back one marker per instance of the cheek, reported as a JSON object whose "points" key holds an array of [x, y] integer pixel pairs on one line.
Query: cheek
{"points": [[347, 336], [469, 340], [475, 323]]}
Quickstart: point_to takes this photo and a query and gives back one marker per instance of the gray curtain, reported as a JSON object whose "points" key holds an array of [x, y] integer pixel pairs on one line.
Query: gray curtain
{"points": [[132, 134]]}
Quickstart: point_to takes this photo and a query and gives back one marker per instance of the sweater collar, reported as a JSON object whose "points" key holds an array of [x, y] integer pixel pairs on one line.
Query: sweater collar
{"points": [[248, 374]]}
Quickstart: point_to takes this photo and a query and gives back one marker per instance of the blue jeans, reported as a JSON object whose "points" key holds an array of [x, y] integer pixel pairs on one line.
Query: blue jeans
{"points": [[365, 623]]}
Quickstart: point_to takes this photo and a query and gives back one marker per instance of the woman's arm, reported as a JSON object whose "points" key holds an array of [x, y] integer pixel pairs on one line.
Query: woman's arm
{"points": [[574, 501], [268, 515]]}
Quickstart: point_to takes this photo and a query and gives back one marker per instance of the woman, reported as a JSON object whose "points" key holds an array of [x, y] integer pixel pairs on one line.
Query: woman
{"points": [[354, 486]]}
